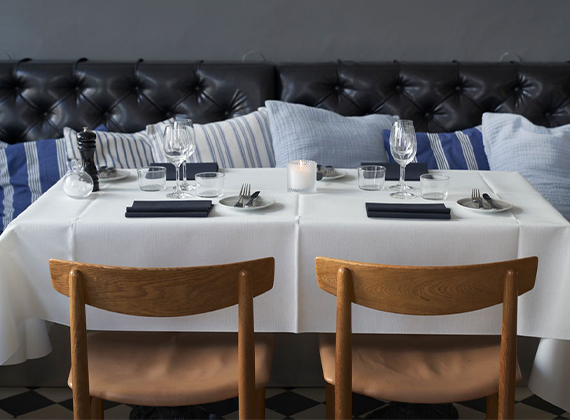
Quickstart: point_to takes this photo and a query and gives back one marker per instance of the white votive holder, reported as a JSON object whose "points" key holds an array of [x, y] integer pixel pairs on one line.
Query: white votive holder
{"points": [[302, 176]]}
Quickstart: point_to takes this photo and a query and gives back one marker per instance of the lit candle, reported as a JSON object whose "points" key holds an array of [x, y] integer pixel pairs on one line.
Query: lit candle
{"points": [[301, 176]]}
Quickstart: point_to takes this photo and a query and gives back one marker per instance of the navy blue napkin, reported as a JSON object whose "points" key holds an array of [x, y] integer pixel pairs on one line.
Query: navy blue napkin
{"points": [[169, 209], [408, 211], [191, 169], [413, 170]]}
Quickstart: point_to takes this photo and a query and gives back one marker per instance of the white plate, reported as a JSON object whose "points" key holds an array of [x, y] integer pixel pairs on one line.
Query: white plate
{"points": [[469, 204], [260, 203], [119, 174], [339, 174]]}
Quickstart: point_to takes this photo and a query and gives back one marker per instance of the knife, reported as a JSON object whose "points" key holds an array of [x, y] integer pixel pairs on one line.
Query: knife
{"points": [[251, 199], [489, 200]]}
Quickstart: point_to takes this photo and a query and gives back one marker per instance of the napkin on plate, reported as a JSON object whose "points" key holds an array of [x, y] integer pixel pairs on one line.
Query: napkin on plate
{"points": [[408, 211], [191, 169], [413, 170], [169, 208]]}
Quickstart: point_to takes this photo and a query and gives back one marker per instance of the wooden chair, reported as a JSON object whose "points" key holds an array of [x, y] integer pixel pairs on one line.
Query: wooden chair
{"points": [[427, 369], [159, 368]]}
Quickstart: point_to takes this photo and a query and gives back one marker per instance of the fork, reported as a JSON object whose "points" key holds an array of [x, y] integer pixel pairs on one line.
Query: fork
{"points": [[244, 194], [476, 197]]}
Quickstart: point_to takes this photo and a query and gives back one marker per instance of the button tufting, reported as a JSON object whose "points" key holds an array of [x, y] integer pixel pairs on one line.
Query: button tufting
{"points": [[197, 88], [338, 88], [398, 87], [428, 114], [517, 88], [458, 88], [227, 114], [548, 114]]}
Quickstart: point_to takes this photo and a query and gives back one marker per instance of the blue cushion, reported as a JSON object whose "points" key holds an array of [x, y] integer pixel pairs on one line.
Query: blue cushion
{"points": [[461, 149], [302, 132], [540, 154], [26, 171]]}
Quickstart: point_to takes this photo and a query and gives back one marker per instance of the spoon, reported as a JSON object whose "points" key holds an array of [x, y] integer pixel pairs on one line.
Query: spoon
{"points": [[252, 199]]}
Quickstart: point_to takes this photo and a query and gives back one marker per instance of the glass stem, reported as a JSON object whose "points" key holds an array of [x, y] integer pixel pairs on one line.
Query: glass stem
{"points": [[184, 179], [402, 177], [178, 190]]}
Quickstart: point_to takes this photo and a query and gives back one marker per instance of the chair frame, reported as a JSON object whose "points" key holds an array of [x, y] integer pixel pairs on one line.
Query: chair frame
{"points": [[163, 292], [425, 291]]}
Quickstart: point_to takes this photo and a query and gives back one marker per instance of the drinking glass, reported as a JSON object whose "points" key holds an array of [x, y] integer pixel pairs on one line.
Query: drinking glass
{"points": [[183, 120], [403, 146], [179, 143]]}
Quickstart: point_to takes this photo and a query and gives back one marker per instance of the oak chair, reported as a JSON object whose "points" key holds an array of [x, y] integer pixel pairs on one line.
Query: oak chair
{"points": [[428, 369], [164, 368]]}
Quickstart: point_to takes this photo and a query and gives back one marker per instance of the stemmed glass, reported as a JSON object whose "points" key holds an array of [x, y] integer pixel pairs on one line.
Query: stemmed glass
{"points": [[183, 120], [403, 146], [179, 143]]}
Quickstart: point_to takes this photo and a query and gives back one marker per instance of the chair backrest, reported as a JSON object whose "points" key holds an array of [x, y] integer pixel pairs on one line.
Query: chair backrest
{"points": [[427, 290], [162, 292]]}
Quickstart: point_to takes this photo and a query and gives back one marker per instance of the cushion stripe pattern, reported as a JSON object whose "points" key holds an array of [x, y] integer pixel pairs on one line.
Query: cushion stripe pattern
{"points": [[461, 149], [27, 170], [241, 142], [121, 150]]}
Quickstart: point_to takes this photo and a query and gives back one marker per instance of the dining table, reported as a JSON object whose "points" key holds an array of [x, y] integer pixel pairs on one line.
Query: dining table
{"points": [[294, 229]]}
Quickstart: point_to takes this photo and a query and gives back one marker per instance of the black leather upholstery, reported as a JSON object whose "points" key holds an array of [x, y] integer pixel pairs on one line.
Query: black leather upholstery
{"points": [[38, 99]]}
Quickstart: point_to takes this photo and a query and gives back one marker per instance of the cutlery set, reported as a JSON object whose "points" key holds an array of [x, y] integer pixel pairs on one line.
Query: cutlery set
{"points": [[477, 199], [246, 199]]}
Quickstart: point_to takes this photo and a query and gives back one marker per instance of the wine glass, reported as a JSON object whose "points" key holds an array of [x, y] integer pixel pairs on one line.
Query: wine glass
{"points": [[183, 120], [403, 146], [179, 143]]}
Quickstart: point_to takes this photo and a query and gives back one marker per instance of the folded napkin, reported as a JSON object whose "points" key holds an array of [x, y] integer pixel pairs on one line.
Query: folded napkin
{"points": [[191, 169], [413, 170], [408, 211], [169, 209]]}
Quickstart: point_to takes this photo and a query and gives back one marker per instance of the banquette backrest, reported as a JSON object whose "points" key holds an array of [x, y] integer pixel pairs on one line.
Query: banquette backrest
{"points": [[39, 98]]}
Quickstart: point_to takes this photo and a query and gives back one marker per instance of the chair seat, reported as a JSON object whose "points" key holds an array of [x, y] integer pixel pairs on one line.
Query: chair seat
{"points": [[170, 369], [430, 369]]}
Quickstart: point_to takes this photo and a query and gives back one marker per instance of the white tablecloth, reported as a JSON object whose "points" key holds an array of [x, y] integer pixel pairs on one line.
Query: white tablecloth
{"points": [[296, 229]]}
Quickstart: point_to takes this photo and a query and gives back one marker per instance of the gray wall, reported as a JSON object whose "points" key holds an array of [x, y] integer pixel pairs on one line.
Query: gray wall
{"points": [[286, 30]]}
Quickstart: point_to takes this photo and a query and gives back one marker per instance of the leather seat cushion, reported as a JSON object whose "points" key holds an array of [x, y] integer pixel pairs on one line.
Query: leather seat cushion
{"points": [[430, 369], [170, 369]]}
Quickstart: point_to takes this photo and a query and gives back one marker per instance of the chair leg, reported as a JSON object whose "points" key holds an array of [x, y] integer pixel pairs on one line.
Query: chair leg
{"points": [[330, 401], [492, 408], [260, 404], [96, 408]]}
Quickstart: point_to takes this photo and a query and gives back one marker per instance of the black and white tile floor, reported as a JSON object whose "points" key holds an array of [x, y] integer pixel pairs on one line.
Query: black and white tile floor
{"points": [[281, 403]]}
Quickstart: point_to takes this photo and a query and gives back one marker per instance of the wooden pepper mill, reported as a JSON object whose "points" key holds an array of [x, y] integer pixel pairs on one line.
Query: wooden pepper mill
{"points": [[86, 141]]}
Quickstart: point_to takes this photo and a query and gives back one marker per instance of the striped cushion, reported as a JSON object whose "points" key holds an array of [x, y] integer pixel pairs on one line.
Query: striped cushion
{"points": [[26, 171], [458, 150], [121, 150], [241, 142]]}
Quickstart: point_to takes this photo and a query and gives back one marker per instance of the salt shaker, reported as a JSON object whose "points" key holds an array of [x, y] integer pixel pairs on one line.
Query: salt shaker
{"points": [[77, 183], [86, 142]]}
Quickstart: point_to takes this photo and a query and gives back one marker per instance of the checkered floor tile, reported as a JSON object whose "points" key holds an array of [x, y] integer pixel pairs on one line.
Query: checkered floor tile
{"points": [[281, 403]]}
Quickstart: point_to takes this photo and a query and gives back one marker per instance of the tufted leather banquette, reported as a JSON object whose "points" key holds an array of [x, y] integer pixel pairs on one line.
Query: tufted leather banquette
{"points": [[38, 99]]}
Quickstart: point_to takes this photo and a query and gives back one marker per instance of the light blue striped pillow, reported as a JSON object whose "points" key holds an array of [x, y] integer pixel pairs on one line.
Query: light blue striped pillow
{"points": [[241, 142], [121, 150], [540, 154], [462, 149], [27, 170], [304, 132]]}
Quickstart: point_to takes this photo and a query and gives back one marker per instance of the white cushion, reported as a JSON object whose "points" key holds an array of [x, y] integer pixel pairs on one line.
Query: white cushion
{"points": [[540, 154], [119, 150], [241, 142], [303, 132]]}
